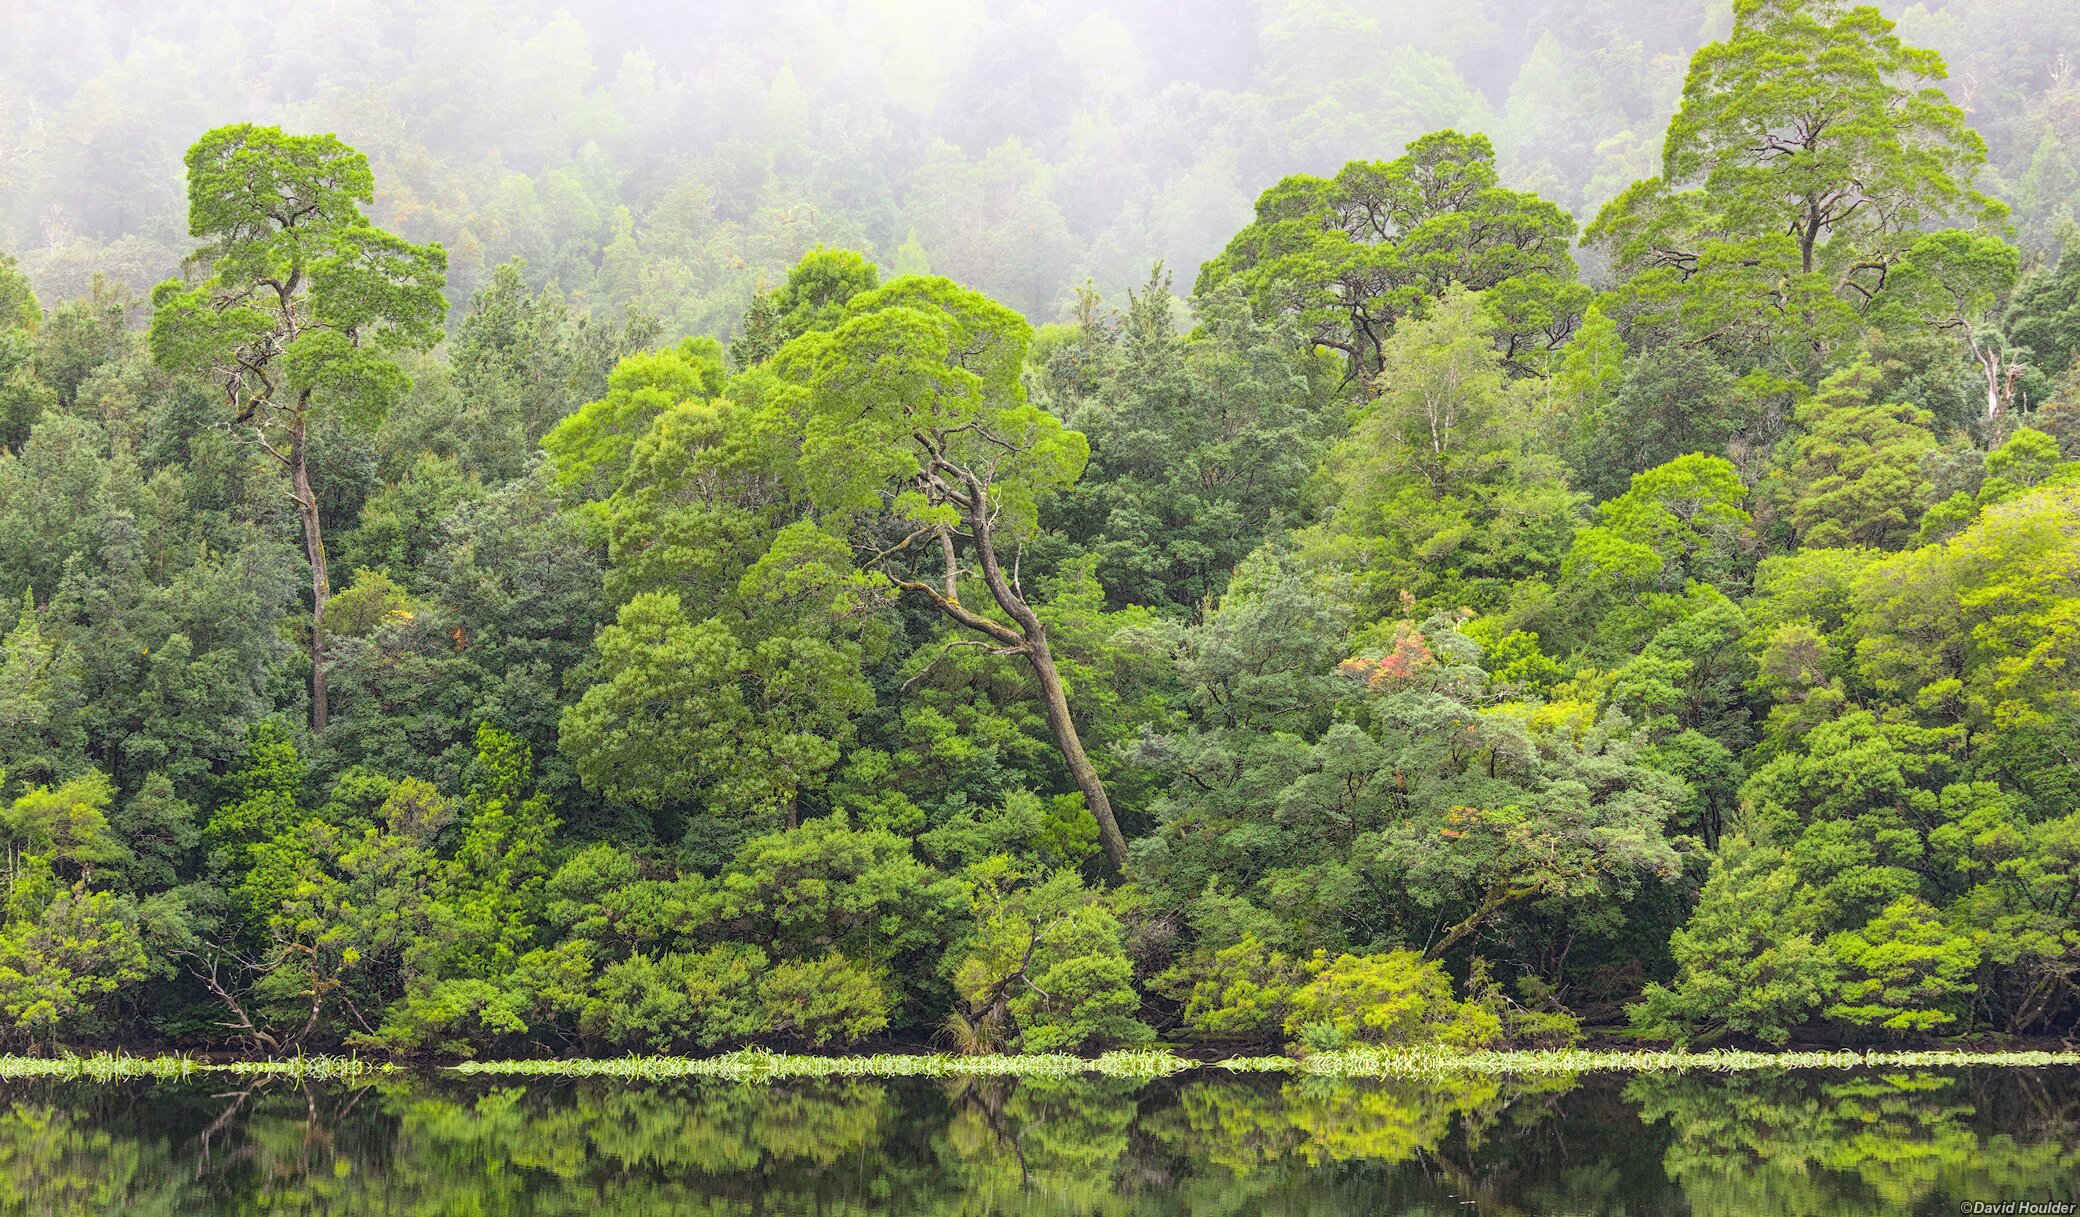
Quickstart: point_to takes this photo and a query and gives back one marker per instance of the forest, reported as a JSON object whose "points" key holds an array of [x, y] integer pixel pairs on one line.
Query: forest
{"points": [[1520, 588]]}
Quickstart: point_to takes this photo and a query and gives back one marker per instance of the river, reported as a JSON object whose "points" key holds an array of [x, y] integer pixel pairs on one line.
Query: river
{"points": [[1775, 1142]]}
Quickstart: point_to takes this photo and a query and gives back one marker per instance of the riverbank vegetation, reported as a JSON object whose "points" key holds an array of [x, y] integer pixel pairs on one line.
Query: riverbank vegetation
{"points": [[1442, 628]]}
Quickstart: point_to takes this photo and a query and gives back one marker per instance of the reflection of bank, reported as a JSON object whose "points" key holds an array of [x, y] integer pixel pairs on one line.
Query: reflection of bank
{"points": [[1863, 1142], [1837, 1141]]}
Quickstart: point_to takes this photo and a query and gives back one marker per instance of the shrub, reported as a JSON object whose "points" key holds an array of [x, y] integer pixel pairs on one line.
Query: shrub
{"points": [[1048, 960], [1905, 971], [825, 999], [1393, 1000], [1543, 1023], [1244, 991], [701, 998]]}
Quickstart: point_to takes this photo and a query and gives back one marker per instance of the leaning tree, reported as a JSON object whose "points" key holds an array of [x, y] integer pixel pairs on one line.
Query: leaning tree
{"points": [[916, 430]]}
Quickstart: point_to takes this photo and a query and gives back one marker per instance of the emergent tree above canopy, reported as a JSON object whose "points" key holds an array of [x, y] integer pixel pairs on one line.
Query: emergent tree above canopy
{"points": [[1353, 254], [297, 303]]}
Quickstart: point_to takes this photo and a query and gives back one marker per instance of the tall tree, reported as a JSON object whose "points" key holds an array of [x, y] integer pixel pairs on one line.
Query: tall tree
{"points": [[1956, 282], [295, 303], [1811, 151], [1815, 118], [919, 428], [1353, 254]]}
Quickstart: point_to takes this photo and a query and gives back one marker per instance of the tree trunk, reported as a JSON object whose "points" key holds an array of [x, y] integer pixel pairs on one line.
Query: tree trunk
{"points": [[1497, 898], [321, 582], [1052, 698], [1056, 704], [1988, 357]]}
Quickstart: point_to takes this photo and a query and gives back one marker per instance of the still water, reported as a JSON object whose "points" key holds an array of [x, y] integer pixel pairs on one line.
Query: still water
{"points": [[1788, 1143]]}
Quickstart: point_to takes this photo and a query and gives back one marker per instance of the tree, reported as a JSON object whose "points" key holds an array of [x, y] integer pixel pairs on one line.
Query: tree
{"points": [[1811, 151], [1045, 965], [1858, 474], [23, 395], [1677, 522], [18, 307], [590, 448], [296, 304], [1747, 961], [68, 946], [521, 363], [259, 796], [400, 525], [62, 829], [917, 421], [1386, 801], [2045, 315], [812, 298], [1983, 628], [1955, 282], [1674, 400], [825, 885], [1352, 255], [66, 957], [1905, 970], [503, 860], [682, 711], [1397, 999], [1200, 443], [40, 734], [1442, 491], [161, 831], [1815, 118]]}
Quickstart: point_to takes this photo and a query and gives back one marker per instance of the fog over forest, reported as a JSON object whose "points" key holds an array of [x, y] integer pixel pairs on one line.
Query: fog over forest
{"points": [[671, 157]]}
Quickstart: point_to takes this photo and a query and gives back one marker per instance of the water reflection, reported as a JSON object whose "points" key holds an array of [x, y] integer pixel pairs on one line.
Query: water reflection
{"points": [[1867, 1143], [1203, 1144]]}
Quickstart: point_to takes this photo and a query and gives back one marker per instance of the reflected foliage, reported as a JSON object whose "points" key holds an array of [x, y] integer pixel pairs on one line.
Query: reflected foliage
{"points": [[1803, 1142]]}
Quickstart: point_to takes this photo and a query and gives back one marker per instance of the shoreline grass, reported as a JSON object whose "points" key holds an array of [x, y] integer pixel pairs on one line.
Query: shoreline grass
{"points": [[756, 1065], [99, 1067], [1418, 1062], [121, 1066]]}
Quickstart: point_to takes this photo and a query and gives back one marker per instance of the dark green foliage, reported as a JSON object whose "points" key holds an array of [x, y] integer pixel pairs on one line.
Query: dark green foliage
{"points": [[1201, 442], [1675, 400], [2045, 319], [519, 363]]}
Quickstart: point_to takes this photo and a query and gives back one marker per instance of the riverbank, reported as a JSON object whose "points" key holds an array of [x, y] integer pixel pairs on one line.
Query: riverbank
{"points": [[758, 1065]]}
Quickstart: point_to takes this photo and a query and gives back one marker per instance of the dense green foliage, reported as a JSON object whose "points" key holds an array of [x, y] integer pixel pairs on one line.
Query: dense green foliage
{"points": [[1406, 639]]}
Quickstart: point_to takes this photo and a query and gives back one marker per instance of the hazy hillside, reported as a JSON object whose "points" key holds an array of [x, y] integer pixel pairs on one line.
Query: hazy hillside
{"points": [[671, 157]]}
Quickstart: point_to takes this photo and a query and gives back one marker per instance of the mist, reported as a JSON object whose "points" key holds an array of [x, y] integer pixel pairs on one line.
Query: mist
{"points": [[670, 159]]}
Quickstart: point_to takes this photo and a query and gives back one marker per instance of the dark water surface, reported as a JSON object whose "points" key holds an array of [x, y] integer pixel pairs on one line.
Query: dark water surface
{"points": [[1779, 1143]]}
